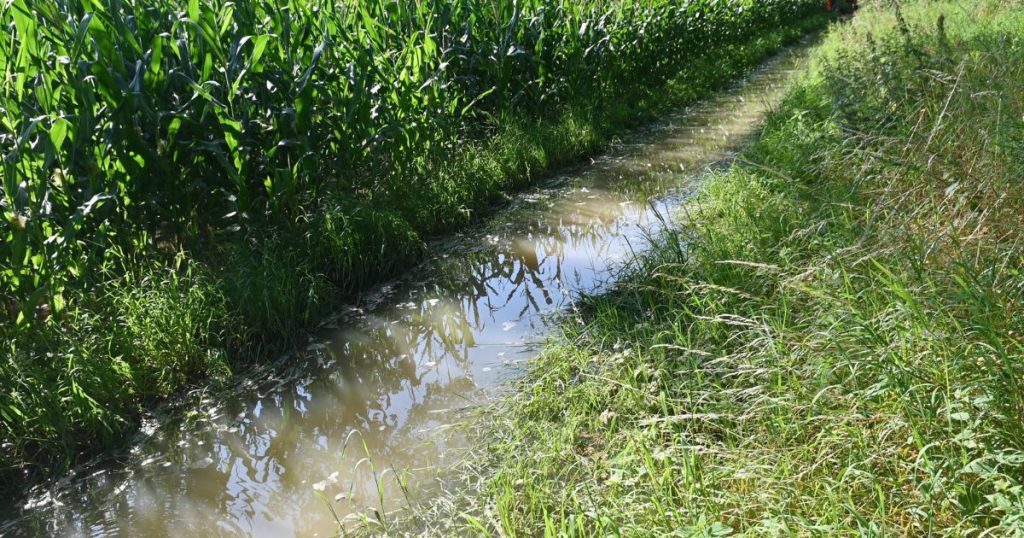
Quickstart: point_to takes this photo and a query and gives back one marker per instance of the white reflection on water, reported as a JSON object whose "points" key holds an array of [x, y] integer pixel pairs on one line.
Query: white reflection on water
{"points": [[363, 404]]}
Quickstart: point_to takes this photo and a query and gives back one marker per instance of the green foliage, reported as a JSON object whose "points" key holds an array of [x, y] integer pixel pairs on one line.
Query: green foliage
{"points": [[147, 337], [188, 184], [122, 121], [829, 345]]}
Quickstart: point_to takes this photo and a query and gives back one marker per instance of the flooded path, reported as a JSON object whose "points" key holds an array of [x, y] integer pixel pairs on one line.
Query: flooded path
{"points": [[356, 423]]}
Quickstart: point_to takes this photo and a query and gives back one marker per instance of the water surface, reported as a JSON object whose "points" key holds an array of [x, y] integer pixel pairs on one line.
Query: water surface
{"points": [[361, 412]]}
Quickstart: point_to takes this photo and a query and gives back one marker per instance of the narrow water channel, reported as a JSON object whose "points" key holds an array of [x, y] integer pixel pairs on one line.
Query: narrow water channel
{"points": [[360, 414]]}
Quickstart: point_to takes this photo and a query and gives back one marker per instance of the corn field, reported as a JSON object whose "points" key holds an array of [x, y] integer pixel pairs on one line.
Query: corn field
{"points": [[188, 185], [125, 123]]}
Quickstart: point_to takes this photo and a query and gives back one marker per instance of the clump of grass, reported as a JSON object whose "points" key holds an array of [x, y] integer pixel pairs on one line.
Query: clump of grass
{"points": [[162, 329], [831, 342], [171, 329], [295, 276], [190, 185]]}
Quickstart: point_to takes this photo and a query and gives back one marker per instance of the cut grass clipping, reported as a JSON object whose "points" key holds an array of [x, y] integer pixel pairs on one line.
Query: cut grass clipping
{"points": [[830, 343]]}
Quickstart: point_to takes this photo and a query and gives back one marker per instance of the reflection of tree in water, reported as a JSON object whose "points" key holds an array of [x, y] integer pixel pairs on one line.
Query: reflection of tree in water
{"points": [[296, 438], [383, 376], [377, 361], [524, 266], [389, 371], [385, 373]]}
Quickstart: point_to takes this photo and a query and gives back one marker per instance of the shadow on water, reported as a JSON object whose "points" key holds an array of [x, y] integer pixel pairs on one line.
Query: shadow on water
{"points": [[359, 415]]}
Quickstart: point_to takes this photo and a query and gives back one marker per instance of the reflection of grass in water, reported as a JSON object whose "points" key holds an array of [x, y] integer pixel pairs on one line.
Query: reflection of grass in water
{"points": [[379, 518], [832, 343], [285, 191]]}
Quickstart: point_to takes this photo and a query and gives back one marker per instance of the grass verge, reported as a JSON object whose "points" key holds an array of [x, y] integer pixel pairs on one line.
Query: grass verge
{"points": [[830, 344], [151, 325]]}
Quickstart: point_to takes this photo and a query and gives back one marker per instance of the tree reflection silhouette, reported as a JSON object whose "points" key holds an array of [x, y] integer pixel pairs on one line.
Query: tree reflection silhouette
{"points": [[247, 462]]}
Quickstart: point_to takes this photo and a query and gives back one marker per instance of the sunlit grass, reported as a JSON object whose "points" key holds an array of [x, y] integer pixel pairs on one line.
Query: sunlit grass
{"points": [[188, 185], [829, 344]]}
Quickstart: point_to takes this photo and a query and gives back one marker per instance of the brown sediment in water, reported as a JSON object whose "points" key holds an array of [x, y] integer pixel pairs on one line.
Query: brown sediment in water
{"points": [[363, 405]]}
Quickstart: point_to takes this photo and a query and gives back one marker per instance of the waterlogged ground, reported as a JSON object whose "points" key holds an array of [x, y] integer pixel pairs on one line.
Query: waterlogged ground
{"points": [[358, 424]]}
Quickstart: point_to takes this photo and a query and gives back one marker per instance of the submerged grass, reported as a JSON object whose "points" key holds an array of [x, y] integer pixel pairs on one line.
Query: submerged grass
{"points": [[188, 186], [829, 344]]}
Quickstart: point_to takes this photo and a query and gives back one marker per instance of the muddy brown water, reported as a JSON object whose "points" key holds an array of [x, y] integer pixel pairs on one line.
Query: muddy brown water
{"points": [[355, 426]]}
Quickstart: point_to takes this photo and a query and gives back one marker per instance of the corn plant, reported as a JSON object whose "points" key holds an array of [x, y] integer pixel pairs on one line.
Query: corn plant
{"points": [[130, 123]]}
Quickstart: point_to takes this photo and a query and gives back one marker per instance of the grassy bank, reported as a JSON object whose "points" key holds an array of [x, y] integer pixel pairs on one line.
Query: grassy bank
{"points": [[188, 185], [830, 344]]}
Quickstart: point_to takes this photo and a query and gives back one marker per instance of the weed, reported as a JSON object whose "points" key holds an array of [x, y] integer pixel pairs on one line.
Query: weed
{"points": [[830, 342], [188, 185]]}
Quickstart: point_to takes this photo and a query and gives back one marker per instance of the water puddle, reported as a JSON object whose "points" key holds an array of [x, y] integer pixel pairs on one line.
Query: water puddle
{"points": [[354, 425]]}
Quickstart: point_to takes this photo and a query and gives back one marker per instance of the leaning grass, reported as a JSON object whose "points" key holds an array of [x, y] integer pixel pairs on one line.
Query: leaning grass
{"points": [[188, 185], [830, 344], [128, 125]]}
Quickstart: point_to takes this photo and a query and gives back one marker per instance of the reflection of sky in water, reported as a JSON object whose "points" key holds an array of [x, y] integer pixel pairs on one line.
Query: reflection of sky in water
{"points": [[365, 402]]}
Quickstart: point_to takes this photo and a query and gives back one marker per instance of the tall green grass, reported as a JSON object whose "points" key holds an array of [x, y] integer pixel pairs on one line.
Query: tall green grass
{"points": [[188, 184], [127, 123], [831, 342]]}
